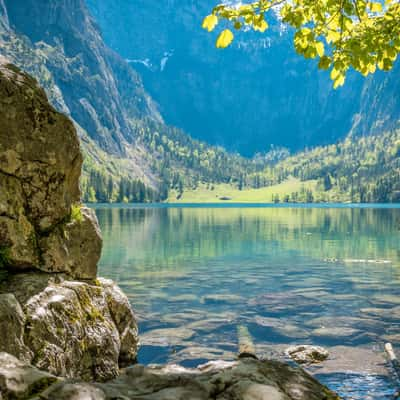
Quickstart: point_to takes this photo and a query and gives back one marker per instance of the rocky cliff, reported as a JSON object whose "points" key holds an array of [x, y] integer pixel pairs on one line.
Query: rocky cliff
{"points": [[246, 97], [100, 90], [70, 328], [59, 44]]}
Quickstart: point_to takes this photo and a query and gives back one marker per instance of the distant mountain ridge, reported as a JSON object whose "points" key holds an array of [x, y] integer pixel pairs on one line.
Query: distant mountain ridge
{"points": [[245, 98], [122, 132]]}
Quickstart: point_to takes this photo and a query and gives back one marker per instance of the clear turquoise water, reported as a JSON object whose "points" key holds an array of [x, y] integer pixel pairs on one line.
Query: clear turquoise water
{"points": [[323, 275]]}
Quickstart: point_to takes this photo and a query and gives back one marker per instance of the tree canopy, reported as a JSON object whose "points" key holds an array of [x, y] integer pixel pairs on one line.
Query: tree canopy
{"points": [[341, 34]]}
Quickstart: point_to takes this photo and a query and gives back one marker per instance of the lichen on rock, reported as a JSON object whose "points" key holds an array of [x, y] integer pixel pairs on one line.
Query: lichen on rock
{"points": [[69, 328]]}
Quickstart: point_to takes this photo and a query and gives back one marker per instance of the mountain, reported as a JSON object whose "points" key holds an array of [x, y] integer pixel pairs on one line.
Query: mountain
{"points": [[59, 43], [253, 95], [130, 153], [257, 93], [379, 109]]}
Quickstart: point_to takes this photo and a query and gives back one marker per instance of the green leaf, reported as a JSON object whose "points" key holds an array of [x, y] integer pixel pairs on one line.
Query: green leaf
{"points": [[332, 36], [210, 22], [335, 73], [261, 26], [225, 38], [324, 63], [320, 48], [375, 7], [339, 81]]}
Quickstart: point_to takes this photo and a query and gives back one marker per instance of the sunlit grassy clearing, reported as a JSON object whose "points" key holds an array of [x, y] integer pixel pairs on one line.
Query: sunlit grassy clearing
{"points": [[204, 194]]}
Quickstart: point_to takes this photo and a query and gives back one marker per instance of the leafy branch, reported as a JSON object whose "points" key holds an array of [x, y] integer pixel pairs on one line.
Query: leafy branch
{"points": [[342, 34]]}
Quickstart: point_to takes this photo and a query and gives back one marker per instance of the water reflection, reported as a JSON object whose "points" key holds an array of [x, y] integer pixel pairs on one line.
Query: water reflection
{"points": [[292, 275]]}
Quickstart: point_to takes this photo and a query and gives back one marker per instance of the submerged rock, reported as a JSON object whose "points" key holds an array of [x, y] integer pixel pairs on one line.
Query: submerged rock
{"points": [[167, 336], [335, 333], [307, 354], [246, 379], [221, 298], [282, 328]]}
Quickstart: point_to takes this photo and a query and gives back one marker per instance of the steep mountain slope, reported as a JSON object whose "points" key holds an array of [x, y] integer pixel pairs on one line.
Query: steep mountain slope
{"points": [[124, 137], [99, 89], [59, 44], [246, 97], [380, 103], [132, 155]]}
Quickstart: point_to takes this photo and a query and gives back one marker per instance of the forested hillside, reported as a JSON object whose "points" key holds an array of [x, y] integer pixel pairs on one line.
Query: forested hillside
{"points": [[181, 163], [364, 169], [357, 169]]}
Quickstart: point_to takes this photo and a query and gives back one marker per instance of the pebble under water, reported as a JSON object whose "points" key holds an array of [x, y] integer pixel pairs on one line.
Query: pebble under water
{"points": [[291, 275]]}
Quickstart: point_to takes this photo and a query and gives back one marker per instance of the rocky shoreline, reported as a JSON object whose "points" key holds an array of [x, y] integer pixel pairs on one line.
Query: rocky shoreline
{"points": [[63, 328]]}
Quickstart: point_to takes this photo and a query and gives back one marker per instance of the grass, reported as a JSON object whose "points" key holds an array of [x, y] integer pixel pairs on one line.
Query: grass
{"points": [[76, 214], [203, 194]]}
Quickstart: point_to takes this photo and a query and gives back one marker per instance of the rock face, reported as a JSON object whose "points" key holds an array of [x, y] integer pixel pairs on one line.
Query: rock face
{"points": [[91, 83], [69, 328], [40, 165], [124, 320], [74, 247], [12, 326], [246, 379], [296, 105], [76, 329], [19, 380]]}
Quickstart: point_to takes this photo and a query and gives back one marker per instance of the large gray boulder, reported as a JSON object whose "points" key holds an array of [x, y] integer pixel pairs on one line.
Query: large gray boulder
{"points": [[247, 379], [41, 226], [39, 147], [74, 247], [12, 328], [124, 320], [69, 328], [19, 380]]}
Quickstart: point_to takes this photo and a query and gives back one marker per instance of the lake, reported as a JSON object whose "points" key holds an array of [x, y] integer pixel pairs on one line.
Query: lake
{"points": [[327, 276]]}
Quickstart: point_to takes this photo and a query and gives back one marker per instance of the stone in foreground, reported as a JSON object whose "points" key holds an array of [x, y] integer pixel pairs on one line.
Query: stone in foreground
{"points": [[307, 354], [68, 328], [19, 380], [247, 379]]}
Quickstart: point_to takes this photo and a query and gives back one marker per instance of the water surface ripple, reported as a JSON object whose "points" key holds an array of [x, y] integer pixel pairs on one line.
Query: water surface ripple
{"points": [[292, 275]]}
